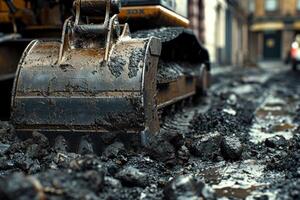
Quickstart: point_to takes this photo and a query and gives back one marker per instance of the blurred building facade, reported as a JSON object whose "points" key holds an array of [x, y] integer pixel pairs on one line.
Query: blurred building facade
{"points": [[221, 25], [273, 25], [236, 51], [196, 16], [215, 34]]}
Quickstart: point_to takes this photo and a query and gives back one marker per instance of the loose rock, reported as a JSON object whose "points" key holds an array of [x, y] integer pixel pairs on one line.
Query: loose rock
{"points": [[131, 176], [18, 186], [208, 147], [231, 148], [113, 150], [3, 148], [162, 150], [276, 141]]}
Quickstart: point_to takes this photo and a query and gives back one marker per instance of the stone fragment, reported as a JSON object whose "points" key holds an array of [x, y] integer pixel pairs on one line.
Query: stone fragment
{"points": [[20, 187], [3, 148], [131, 177], [162, 150], [207, 147], [276, 141], [113, 150], [231, 148]]}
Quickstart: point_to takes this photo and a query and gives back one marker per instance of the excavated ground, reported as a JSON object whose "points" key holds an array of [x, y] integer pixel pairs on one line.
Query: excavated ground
{"points": [[241, 142]]}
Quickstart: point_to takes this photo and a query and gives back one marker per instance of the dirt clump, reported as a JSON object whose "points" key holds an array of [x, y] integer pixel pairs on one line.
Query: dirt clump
{"points": [[208, 144], [231, 148], [207, 147]]}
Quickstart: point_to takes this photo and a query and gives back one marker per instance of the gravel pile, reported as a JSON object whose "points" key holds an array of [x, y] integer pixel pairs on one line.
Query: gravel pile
{"points": [[191, 164]]}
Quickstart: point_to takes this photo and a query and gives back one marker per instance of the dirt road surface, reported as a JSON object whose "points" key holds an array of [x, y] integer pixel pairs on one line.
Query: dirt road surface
{"points": [[241, 142]]}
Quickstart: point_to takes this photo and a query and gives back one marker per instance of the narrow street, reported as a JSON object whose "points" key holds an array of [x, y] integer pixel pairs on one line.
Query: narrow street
{"points": [[147, 100], [241, 142], [264, 108]]}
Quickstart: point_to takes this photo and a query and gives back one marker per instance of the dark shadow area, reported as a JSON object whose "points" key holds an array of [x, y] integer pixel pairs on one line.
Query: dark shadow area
{"points": [[5, 100]]}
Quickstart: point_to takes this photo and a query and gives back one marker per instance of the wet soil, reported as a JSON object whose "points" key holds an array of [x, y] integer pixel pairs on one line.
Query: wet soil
{"points": [[240, 142]]}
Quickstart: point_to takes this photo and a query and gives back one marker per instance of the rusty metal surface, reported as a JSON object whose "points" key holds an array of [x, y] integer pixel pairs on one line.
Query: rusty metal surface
{"points": [[97, 7], [82, 92], [99, 83], [98, 79], [150, 15], [179, 69]]}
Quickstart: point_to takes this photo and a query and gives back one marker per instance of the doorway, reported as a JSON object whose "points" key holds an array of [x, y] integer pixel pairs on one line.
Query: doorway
{"points": [[272, 45]]}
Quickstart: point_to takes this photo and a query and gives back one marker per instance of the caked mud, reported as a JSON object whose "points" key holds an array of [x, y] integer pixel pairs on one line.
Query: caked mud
{"points": [[240, 142]]}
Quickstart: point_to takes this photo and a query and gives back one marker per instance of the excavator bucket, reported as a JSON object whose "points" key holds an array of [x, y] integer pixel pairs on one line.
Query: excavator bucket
{"points": [[100, 78], [97, 79]]}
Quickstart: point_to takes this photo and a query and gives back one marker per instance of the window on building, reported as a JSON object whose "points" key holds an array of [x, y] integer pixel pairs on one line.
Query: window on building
{"points": [[271, 5], [298, 4], [251, 4]]}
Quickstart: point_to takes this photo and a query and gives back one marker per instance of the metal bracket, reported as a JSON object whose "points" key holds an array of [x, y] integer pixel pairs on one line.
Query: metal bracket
{"points": [[91, 35]]}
